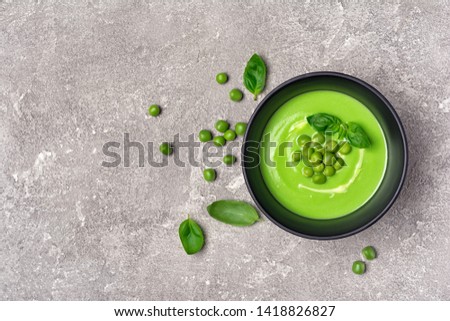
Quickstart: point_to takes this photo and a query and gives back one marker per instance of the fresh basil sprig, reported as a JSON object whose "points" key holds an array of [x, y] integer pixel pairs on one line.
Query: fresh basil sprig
{"points": [[232, 212], [353, 132], [255, 75], [191, 236], [356, 136], [324, 122]]}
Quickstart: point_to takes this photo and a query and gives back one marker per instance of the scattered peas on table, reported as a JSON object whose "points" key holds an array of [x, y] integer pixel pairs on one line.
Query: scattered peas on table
{"points": [[221, 78], [219, 141], [154, 110], [222, 126], [236, 95], [229, 160], [240, 128], [369, 253], [204, 135], [359, 267], [229, 135], [166, 148], [209, 174]]}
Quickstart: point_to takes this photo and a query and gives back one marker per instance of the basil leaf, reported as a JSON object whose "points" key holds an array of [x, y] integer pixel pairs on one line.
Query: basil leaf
{"points": [[235, 213], [354, 133], [255, 75], [342, 131], [356, 136], [324, 122], [191, 236]]}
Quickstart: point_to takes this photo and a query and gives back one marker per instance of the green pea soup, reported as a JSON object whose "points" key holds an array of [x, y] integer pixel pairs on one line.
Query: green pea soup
{"points": [[351, 187]]}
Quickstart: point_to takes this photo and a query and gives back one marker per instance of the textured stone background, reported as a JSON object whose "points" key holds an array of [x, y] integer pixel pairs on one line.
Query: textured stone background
{"points": [[74, 76]]}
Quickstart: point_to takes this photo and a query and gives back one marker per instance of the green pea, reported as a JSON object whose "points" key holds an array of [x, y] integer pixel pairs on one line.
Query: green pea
{"points": [[307, 171], [236, 94], [154, 110], [318, 138], [345, 149], [369, 253], [337, 166], [339, 163], [222, 126], [296, 156], [221, 78], [204, 135], [331, 146], [303, 139], [329, 171], [329, 158], [209, 175], [316, 157], [319, 168], [219, 141], [317, 147], [166, 148], [359, 267], [229, 159], [319, 178], [310, 152], [229, 135], [240, 128]]}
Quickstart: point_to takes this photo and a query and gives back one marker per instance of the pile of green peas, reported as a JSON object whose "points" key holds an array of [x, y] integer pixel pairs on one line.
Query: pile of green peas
{"points": [[165, 148], [235, 93], [223, 127], [205, 135], [228, 134], [369, 253], [320, 156]]}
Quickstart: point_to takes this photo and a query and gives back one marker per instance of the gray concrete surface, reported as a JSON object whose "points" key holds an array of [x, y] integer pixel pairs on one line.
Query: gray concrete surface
{"points": [[74, 76]]}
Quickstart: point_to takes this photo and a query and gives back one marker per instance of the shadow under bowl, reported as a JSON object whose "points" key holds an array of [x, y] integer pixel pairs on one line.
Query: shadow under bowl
{"points": [[392, 181]]}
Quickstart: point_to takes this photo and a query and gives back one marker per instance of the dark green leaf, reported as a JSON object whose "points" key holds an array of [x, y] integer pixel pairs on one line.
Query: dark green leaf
{"points": [[356, 136], [255, 75], [354, 133], [342, 130], [324, 122], [236, 213], [191, 236]]}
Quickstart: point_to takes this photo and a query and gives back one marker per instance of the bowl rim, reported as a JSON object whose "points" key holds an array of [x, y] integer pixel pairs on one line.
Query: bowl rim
{"points": [[403, 138]]}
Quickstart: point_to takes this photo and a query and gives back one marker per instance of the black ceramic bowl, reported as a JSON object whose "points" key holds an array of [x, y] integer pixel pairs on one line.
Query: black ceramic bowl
{"points": [[389, 188]]}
